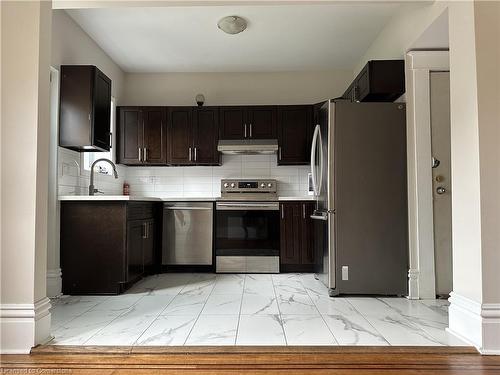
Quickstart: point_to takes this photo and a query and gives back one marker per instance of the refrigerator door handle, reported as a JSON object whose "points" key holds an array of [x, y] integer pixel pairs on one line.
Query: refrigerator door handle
{"points": [[314, 145]]}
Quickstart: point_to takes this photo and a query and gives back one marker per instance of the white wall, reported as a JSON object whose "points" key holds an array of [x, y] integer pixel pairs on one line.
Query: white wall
{"points": [[401, 33], [465, 154], [234, 88], [72, 45], [25, 44]]}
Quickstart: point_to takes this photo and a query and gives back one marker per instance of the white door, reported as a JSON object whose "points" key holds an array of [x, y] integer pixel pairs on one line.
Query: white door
{"points": [[441, 179]]}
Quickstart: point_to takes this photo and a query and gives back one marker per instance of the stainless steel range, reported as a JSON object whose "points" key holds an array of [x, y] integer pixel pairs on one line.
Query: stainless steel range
{"points": [[247, 226]]}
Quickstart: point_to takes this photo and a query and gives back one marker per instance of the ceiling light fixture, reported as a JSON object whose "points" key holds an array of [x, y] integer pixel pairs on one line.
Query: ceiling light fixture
{"points": [[232, 24]]}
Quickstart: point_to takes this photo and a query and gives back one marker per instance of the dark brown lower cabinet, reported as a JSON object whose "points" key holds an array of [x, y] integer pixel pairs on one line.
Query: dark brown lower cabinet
{"points": [[297, 250], [105, 246]]}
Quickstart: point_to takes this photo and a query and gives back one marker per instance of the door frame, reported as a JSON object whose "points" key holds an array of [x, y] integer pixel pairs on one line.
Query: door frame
{"points": [[421, 273]]}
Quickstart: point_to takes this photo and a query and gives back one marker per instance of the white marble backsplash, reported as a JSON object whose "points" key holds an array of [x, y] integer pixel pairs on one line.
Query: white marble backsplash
{"points": [[181, 182]]}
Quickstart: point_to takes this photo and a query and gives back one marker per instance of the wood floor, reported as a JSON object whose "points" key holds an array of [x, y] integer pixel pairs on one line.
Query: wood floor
{"points": [[251, 360]]}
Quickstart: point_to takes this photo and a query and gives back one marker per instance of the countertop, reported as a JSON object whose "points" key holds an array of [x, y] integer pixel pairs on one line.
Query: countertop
{"points": [[161, 199]]}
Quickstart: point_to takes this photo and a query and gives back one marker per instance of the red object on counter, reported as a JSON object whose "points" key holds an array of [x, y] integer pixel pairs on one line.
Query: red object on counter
{"points": [[126, 188]]}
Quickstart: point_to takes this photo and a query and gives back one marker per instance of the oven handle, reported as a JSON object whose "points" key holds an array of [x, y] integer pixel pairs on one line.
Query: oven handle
{"points": [[247, 206]]}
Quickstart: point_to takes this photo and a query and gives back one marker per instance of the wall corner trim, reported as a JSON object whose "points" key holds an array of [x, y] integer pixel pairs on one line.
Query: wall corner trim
{"points": [[476, 323], [24, 326]]}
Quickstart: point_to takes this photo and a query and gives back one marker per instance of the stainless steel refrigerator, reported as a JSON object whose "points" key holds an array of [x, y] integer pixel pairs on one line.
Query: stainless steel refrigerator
{"points": [[358, 167]]}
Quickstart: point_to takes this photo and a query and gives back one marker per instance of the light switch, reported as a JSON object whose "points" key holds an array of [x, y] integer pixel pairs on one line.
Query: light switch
{"points": [[345, 272]]}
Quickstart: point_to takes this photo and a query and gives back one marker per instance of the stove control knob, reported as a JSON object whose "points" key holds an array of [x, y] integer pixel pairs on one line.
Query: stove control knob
{"points": [[226, 184], [233, 185], [262, 185], [269, 185]]}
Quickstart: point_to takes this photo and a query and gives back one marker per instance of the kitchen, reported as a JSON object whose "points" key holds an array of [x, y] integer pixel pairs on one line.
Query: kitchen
{"points": [[229, 223]]}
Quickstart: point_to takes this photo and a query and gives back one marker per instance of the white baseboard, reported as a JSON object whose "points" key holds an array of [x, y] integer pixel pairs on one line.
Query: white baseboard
{"points": [[475, 323], [23, 326], [54, 283], [413, 283]]}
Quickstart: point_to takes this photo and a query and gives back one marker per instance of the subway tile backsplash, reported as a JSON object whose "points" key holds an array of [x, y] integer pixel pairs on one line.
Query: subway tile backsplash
{"points": [[185, 181]]}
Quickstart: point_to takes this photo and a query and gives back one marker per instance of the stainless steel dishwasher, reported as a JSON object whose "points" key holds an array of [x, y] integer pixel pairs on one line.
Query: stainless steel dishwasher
{"points": [[187, 233]]}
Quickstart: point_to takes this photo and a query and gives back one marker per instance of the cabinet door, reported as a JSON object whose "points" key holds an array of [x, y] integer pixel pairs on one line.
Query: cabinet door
{"points": [[148, 242], [233, 123], [206, 135], [155, 135], [135, 256], [180, 138], [102, 111], [261, 122], [308, 252], [295, 129], [290, 233], [130, 139]]}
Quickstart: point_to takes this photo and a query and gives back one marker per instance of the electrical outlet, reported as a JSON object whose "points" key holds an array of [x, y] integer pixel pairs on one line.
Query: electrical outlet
{"points": [[345, 273]]}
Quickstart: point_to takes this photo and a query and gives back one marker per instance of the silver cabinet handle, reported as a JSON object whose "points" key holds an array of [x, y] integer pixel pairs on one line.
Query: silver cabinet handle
{"points": [[140, 154], [144, 230], [189, 153], [279, 152], [195, 153], [303, 210], [145, 154], [245, 126], [250, 130], [282, 213]]}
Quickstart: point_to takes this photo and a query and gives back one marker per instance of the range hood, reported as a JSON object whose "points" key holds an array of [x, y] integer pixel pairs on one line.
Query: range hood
{"points": [[248, 146]]}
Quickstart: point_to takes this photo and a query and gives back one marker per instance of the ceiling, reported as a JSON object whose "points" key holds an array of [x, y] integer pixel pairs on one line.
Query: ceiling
{"points": [[278, 38]]}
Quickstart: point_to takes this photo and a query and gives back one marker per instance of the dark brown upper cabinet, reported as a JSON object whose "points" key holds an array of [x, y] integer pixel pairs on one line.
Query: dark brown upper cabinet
{"points": [[206, 135], [378, 81], [142, 138], [297, 250], [249, 122], [295, 128], [193, 135], [84, 109]]}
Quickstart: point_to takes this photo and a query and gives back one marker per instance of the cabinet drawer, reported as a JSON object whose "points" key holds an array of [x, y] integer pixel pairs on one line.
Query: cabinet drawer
{"points": [[140, 210]]}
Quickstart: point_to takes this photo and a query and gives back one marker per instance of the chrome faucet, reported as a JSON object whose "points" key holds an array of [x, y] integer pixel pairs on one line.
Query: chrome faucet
{"points": [[92, 190]]}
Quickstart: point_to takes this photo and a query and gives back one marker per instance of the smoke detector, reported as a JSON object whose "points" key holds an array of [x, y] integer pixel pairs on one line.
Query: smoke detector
{"points": [[232, 24]]}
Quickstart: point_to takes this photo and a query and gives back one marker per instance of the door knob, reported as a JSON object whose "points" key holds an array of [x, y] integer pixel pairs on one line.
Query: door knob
{"points": [[440, 190]]}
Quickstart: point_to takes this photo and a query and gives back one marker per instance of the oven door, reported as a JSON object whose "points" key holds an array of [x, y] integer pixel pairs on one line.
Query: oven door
{"points": [[247, 229]]}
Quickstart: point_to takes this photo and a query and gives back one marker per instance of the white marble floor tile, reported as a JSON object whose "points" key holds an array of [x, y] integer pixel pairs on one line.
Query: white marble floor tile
{"points": [[204, 309], [414, 308], [198, 287], [167, 287], [82, 328], [124, 330], [335, 306], [223, 304], [440, 306], [259, 304], [214, 330], [260, 330], [67, 308], [398, 330], [150, 305], [307, 330], [119, 303], [167, 330], [260, 284], [188, 305], [296, 304], [229, 284], [353, 329], [290, 288]]}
